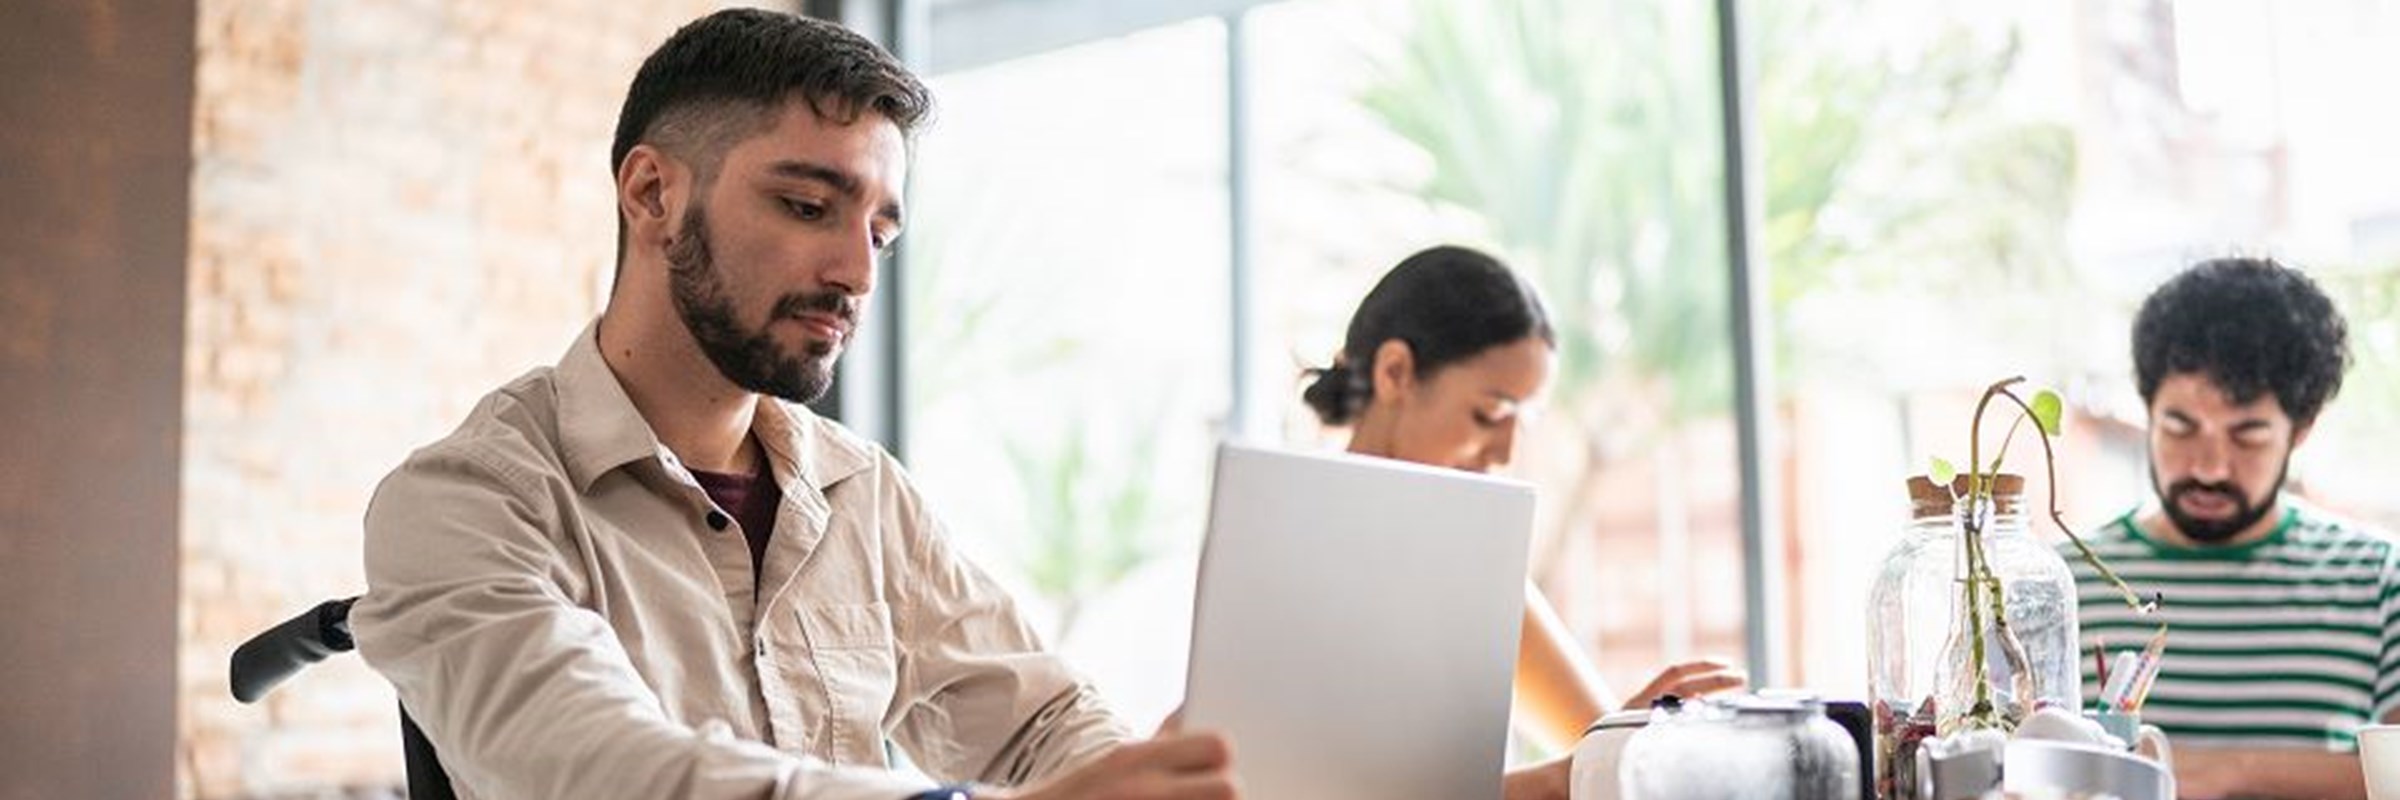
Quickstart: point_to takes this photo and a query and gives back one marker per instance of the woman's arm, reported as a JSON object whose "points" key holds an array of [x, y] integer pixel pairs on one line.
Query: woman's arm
{"points": [[1559, 694]]}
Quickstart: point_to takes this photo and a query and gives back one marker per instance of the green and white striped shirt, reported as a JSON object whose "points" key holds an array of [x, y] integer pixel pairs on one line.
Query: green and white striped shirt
{"points": [[2291, 641]]}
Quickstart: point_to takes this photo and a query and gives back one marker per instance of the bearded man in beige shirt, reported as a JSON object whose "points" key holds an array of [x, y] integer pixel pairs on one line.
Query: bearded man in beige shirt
{"points": [[649, 572]]}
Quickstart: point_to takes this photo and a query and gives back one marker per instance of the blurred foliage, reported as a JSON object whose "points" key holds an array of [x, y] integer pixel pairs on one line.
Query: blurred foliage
{"points": [[1092, 515], [952, 318], [2369, 299], [1586, 135]]}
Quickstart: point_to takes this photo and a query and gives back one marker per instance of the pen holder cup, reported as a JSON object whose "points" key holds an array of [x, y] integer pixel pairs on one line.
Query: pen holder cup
{"points": [[2145, 740]]}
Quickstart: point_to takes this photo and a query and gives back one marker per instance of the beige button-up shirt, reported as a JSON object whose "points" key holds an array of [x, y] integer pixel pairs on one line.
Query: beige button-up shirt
{"points": [[550, 598]]}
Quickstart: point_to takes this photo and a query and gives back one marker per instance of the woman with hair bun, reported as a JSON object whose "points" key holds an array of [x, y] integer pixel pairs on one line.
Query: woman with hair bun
{"points": [[1438, 366]]}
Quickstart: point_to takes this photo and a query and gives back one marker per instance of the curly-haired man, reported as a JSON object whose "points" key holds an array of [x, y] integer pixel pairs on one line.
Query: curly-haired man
{"points": [[2282, 616]]}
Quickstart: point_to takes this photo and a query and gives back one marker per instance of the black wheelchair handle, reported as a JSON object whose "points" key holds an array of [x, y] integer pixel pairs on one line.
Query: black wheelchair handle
{"points": [[270, 657]]}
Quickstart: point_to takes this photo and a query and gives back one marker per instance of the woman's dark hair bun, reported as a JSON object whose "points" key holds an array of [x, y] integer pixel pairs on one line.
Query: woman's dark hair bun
{"points": [[1337, 393]]}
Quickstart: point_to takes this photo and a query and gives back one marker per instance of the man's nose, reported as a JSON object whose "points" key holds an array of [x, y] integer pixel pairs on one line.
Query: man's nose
{"points": [[852, 270], [2211, 462]]}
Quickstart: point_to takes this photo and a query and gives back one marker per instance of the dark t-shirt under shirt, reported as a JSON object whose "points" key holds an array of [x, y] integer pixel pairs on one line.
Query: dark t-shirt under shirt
{"points": [[751, 500]]}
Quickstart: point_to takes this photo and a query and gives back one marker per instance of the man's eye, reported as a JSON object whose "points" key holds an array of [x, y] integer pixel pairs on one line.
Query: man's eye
{"points": [[805, 209], [1486, 419]]}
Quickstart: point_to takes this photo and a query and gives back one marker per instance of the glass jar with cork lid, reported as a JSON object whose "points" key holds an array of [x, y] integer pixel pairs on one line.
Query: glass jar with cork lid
{"points": [[1921, 676]]}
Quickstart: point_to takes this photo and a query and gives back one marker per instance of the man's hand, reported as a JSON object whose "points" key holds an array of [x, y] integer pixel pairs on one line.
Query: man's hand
{"points": [[1174, 766], [1690, 679]]}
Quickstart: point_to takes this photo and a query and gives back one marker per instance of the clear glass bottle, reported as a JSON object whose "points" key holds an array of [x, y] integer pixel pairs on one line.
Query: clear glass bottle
{"points": [[1919, 669], [2040, 595], [1910, 612], [2000, 694]]}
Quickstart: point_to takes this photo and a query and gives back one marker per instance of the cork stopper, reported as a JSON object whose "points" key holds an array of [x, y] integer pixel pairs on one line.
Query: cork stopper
{"points": [[2004, 484], [1926, 499], [1929, 499], [2008, 491]]}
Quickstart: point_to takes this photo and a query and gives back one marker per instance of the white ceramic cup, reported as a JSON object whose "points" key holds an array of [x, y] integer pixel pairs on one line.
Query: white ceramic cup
{"points": [[2379, 756], [2129, 730]]}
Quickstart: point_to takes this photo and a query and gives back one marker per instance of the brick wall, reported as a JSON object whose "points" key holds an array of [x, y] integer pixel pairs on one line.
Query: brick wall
{"points": [[396, 205]]}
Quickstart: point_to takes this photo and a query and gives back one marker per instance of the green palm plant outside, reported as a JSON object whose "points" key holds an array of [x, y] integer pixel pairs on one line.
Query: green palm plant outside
{"points": [[1593, 168], [1585, 134], [1091, 511], [952, 311], [2369, 405]]}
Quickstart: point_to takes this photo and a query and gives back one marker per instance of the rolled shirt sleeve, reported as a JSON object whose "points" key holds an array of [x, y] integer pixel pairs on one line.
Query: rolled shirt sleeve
{"points": [[987, 701]]}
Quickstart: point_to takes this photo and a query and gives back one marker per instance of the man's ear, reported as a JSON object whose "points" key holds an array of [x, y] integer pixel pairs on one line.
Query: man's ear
{"points": [[1395, 369], [2300, 435], [652, 188]]}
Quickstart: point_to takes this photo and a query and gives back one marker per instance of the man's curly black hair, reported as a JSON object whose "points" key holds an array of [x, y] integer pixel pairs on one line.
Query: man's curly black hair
{"points": [[2252, 327]]}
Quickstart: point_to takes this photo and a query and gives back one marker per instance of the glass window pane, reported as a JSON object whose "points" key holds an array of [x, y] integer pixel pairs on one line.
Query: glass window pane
{"points": [[1066, 346], [1958, 192], [1578, 141]]}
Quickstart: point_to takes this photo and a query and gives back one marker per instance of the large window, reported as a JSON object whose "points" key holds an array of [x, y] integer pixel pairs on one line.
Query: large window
{"points": [[1578, 142], [1375, 129], [1066, 344], [1954, 192], [1960, 192]]}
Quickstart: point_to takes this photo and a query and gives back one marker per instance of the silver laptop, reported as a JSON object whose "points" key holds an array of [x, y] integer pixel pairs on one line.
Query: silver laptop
{"points": [[1355, 631]]}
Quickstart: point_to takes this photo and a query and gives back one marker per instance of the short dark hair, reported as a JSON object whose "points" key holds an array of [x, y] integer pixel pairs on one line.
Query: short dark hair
{"points": [[727, 74], [748, 62], [2252, 327], [1448, 303]]}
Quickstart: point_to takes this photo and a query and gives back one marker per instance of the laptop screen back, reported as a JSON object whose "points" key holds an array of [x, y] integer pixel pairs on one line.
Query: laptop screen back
{"points": [[1355, 631]]}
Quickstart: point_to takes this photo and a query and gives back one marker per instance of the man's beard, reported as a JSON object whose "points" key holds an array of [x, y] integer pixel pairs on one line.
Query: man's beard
{"points": [[748, 357], [2217, 531]]}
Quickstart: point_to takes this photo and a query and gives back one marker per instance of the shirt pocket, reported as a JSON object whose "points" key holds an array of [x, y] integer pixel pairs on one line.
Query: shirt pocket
{"points": [[852, 648], [847, 626]]}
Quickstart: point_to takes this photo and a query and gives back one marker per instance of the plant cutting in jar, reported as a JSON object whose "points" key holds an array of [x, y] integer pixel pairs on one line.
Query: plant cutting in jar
{"points": [[1982, 596]]}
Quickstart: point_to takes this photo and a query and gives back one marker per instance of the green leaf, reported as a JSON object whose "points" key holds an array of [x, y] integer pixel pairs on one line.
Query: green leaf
{"points": [[2046, 409], [1943, 473]]}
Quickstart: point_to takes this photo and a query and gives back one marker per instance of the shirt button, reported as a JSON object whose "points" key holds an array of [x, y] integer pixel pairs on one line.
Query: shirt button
{"points": [[717, 520]]}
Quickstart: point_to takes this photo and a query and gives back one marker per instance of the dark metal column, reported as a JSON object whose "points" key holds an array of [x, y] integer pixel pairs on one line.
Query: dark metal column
{"points": [[1754, 416], [868, 394]]}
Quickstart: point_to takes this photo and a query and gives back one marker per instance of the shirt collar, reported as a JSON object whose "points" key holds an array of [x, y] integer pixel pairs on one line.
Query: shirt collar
{"points": [[601, 430], [807, 447]]}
